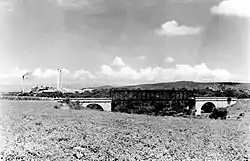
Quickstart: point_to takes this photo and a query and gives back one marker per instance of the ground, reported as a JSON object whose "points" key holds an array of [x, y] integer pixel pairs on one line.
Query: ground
{"points": [[37, 131]]}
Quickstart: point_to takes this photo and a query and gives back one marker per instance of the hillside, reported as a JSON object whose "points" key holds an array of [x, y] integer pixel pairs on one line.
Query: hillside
{"points": [[191, 85]]}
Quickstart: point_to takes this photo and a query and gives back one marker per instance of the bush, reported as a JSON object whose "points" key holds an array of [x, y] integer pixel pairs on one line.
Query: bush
{"points": [[149, 110], [76, 105], [219, 113]]}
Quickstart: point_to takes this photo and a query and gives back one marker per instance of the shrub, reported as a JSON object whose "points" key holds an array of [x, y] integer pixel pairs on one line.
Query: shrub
{"points": [[148, 110], [219, 113], [76, 105]]}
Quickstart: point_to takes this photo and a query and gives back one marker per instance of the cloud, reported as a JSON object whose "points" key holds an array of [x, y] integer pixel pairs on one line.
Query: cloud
{"points": [[83, 74], [183, 1], [118, 62], [238, 8], [73, 3], [47, 73], [122, 74], [172, 28], [198, 72], [169, 59], [89, 6], [142, 57], [6, 6], [15, 73]]}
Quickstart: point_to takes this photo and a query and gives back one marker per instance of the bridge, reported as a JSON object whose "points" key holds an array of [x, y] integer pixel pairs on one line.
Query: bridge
{"points": [[105, 103], [121, 97], [205, 104], [202, 104]]}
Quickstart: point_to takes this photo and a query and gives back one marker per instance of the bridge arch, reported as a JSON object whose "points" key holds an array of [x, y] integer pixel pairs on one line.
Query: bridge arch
{"points": [[95, 106], [207, 107], [103, 106]]}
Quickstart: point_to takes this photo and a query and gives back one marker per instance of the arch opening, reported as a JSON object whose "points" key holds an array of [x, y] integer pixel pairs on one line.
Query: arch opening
{"points": [[95, 107], [207, 107]]}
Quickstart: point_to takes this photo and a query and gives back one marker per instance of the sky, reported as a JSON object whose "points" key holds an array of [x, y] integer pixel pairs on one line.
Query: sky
{"points": [[123, 42]]}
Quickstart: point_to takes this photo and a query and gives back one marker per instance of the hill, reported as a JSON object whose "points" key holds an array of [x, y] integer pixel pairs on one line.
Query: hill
{"points": [[192, 85]]}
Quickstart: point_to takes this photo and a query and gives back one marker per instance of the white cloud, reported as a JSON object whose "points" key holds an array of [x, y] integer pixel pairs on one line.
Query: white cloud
{"points": [[6, 6], [48, 73], [183, 1], [87, 6], [238, 8], [122, 74], [15, 73], [169, 59], [43, 74], [118, 62], [83, 74], [181, 72], [172, 28], [73, 3], [142, 57]]}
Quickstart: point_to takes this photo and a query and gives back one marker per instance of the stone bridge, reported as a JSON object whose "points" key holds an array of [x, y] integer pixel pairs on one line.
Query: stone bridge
{"points": [[207, 103], [201, 103], [105, 103]]}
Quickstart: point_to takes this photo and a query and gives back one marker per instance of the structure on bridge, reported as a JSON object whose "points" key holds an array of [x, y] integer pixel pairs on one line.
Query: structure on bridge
{"points": [[206, 104]]}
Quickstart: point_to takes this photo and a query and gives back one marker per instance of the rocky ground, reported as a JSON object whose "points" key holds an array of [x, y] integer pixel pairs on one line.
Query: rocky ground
{"points": [[37, 131]]}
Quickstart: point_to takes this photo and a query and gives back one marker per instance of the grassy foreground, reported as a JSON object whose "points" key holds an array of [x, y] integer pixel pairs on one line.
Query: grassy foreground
{"points": [[37, 131]]}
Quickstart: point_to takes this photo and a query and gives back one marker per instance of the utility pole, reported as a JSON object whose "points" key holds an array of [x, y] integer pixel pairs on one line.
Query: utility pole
{"points": [[59, 79]]}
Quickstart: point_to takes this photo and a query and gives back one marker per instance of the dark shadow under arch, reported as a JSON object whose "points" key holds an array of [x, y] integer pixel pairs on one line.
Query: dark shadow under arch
{"points": [[207, 107], [95, 107]]}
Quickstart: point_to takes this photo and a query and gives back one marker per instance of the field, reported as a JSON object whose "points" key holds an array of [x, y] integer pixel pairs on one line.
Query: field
{"points": [[36, 131]]}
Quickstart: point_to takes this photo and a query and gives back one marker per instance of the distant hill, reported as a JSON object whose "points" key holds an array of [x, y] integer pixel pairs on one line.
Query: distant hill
{"points": [[166, 85], [103, 87], [191, 85]]}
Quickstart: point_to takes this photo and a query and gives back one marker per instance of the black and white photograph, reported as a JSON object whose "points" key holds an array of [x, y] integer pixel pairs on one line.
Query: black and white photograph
{"points": [[124, 80]]}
